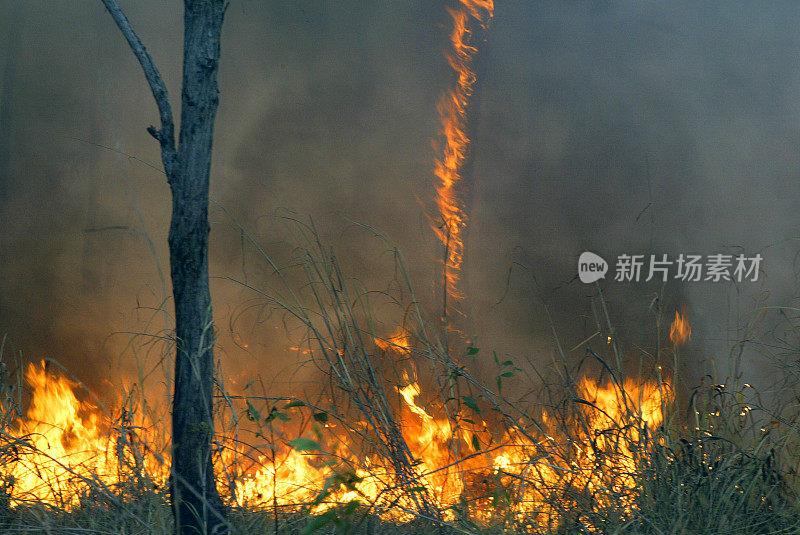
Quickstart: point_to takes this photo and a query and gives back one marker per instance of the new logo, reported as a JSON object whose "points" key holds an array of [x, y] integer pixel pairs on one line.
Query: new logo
{"points": [[591, 267]]}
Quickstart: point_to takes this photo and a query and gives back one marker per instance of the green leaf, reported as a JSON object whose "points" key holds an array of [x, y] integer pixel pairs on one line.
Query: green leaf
{"points": [[248, 385], [321, 417], [472, 403], [475, 442], [282, 416], [294, 404], [472, 350], [507, 374], [252, 413], [305, 444], [469, 421]]}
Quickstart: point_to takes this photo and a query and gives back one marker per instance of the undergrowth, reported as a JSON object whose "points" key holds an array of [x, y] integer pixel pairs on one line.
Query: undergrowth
{"points": [[597, 452]]}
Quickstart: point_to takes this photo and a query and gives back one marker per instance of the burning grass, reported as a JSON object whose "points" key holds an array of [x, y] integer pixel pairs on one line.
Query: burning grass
{"points": [[406, 436]]}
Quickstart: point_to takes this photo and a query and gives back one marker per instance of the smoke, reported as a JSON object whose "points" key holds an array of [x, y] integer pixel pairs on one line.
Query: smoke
{"points": [[632, 127], [638, 128]]}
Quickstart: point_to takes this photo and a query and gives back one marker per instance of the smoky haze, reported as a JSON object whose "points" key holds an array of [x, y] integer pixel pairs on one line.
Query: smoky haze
{"points": [[626, 127]]}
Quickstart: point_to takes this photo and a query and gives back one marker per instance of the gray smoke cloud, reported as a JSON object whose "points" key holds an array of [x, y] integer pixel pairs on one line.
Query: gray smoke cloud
{"points": [[625, 127]]}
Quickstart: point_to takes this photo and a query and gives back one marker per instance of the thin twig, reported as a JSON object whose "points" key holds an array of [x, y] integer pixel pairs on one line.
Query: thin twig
{"points": [[166, 134]]}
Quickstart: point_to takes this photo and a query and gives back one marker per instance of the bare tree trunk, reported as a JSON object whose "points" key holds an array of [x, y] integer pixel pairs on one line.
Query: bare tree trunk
{"points": [[196, 502]]}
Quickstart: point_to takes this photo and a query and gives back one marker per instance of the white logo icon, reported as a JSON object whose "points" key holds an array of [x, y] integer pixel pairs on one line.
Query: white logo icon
{"points": [[591, 267]]}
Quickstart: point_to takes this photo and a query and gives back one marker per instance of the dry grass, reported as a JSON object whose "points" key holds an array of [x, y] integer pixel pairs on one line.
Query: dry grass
{"points": [[714, 465]]}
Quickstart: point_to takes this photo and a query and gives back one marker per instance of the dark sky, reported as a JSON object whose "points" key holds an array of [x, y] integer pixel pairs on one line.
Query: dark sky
{"points": [[631, 127]]}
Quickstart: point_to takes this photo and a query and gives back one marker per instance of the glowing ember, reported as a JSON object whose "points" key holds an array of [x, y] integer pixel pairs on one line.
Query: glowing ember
{"points": [[680, 330]]}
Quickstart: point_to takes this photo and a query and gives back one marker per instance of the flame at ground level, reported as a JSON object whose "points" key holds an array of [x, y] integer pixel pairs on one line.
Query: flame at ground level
{"points": [[65, 449]]}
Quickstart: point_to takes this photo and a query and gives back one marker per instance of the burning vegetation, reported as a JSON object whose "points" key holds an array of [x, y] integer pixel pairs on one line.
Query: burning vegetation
{"points": [[448, 460], [404, 431]]}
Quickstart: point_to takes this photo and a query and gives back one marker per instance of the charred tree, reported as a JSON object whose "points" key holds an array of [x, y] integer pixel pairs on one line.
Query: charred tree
{"points": [[196, 503]]}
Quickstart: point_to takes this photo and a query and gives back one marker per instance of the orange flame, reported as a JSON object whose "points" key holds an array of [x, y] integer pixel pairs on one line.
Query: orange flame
{"points": [[399, 342], [62, 446], [452, 109], [70, 447], [458, 457], [680, 330]]}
